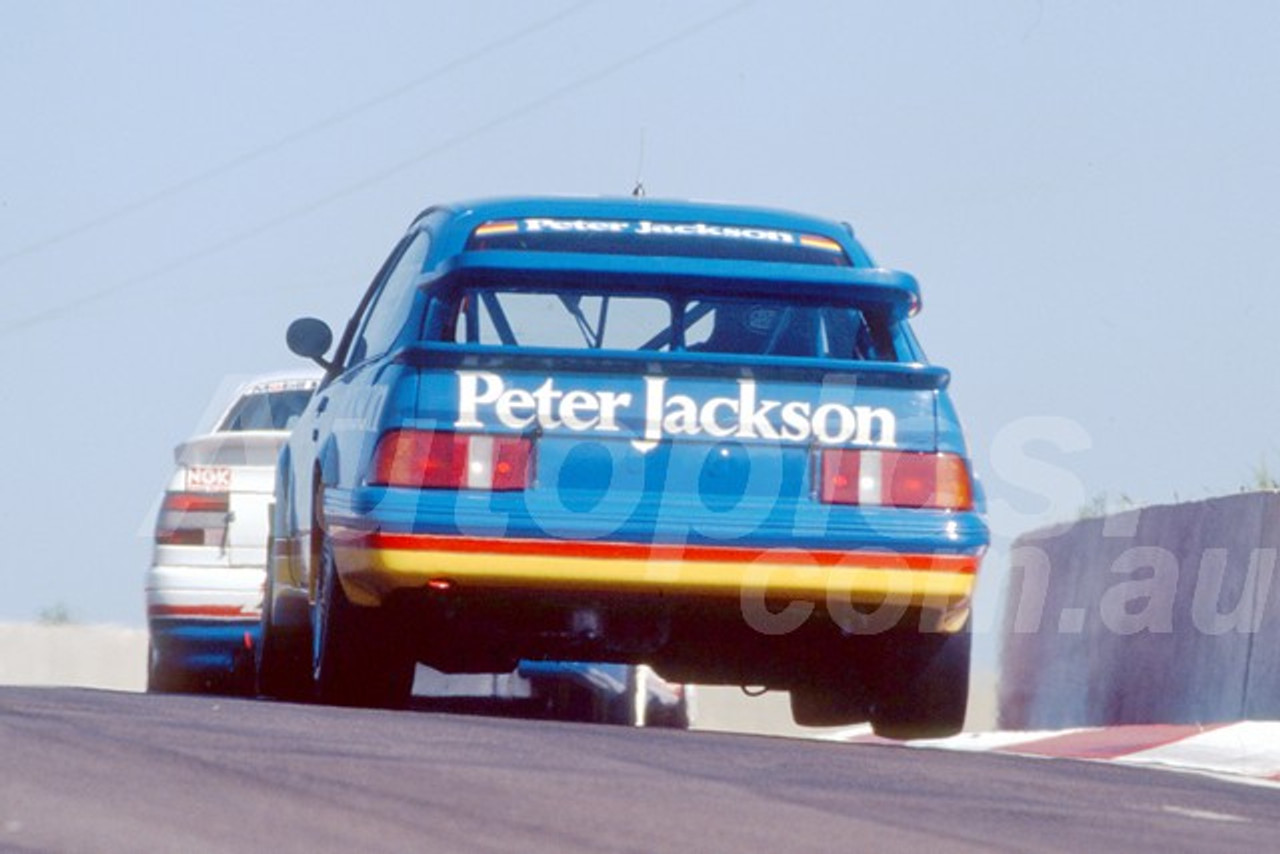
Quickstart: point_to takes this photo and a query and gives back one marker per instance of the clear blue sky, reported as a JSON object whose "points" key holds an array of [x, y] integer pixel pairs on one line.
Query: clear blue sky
{"points": [[1087, 192]]}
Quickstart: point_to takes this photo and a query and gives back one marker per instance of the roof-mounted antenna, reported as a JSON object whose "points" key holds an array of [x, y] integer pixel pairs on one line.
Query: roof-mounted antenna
{"points": [[638, 189]]}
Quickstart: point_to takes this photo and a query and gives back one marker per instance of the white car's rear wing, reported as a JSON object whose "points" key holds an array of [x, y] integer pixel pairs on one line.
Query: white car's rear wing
{"points": [[242, 448]]}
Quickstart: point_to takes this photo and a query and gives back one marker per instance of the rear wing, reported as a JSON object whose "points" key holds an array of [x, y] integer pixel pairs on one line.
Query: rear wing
{"points": [[240, 448], [448, 356], [894, 288]]}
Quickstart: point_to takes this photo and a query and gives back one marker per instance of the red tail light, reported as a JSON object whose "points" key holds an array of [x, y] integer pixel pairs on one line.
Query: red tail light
{"points": [[895, 479], [426, 459], [193, 519]]}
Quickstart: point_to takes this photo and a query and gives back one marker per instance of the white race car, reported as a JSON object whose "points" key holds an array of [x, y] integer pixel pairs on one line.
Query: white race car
{"points": [[204, 587]]}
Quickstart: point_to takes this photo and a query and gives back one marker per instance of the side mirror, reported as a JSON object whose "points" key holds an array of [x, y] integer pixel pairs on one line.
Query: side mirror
{"points": [[310, 338]]}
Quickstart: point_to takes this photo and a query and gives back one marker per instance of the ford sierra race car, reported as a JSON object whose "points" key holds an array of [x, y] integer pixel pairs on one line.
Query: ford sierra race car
{"points": [[698, 437], [204, 586]]}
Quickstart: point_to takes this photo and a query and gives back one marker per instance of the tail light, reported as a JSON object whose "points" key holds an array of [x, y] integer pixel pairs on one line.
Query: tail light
{"points": [[193, 519], [895, 479], [427, 459]]}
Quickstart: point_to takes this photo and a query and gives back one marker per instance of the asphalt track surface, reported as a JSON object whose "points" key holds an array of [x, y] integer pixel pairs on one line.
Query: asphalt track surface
{"points": [[99, 771]]}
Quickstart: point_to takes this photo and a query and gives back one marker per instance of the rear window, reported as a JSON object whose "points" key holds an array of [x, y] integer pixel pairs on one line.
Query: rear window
{"points": [[267, 410], [780, 329], [564, 320], [647, 237], [580, 320]]}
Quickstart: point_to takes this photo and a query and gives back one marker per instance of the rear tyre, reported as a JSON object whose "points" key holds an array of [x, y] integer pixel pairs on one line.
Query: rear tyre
{"points": [[163, 678], [356, 660], [924, 689], [833, 689], [281, 659], [833, 704]]}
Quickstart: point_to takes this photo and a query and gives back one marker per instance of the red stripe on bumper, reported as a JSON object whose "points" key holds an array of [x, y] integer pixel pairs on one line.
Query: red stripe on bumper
{"points": [[218, 611]]}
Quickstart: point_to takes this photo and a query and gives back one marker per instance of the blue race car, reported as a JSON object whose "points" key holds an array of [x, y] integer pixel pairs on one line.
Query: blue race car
{"points": [[698, 437]]}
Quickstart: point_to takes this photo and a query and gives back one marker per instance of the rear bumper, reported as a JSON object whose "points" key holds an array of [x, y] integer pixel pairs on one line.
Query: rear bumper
{"points": [[202, 593], [373, 566], [207, 647]]}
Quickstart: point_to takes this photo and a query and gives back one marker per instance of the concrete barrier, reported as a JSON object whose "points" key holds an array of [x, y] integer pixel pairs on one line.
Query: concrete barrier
{"points": [[1263, 686], [108, 657], [1159, 615]]}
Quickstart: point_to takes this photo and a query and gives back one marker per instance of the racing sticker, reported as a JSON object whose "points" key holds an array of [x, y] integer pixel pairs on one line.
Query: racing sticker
{"points": [[817, 241], [485, 397], [208, 478], [650, 228], [275, 386]]}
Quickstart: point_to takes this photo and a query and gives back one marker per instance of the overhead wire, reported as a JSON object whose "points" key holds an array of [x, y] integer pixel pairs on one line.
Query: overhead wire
{"points": [[288, 139], [576, 85]]}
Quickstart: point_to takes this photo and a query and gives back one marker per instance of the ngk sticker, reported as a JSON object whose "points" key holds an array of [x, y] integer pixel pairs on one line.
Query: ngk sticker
{"points": [[208, 478]]}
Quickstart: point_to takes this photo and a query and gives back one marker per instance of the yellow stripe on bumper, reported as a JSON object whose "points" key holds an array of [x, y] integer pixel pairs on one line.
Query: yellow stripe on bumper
{"points": [[370, 574]]}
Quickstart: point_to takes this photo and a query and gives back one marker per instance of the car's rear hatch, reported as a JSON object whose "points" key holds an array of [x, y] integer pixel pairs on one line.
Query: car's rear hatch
{"points": [[235, 471], [673, 449]]}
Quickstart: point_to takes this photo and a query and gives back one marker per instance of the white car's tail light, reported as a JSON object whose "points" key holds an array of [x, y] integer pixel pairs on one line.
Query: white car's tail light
{"points": [[428, 459], [895, 479], [193, 519]]}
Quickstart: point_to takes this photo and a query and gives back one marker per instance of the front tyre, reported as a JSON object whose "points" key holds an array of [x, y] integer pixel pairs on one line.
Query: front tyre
{"points": [[356, 660]]}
